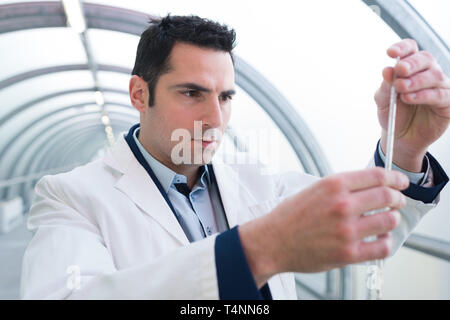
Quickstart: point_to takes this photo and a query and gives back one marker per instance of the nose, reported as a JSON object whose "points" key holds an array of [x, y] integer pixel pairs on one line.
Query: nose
{"points": [[212, 115]]}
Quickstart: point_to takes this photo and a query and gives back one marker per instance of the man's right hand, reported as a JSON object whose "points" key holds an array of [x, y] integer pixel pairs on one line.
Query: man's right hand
{"points": [[323, 227]]}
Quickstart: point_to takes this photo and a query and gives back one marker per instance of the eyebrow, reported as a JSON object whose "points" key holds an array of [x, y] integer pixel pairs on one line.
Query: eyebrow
{"points": [[193, 86]]}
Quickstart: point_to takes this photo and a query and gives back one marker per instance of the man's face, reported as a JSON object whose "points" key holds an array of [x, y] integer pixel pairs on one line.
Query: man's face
{"points": [[198, 87]]}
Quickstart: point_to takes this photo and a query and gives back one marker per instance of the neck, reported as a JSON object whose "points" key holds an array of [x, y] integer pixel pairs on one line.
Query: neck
{"points": [[190, 171]]}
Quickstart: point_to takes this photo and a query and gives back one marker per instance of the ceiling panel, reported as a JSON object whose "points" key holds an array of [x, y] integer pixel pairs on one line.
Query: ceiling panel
{"points": [[38, 48], [113, 48], [34, 88]]}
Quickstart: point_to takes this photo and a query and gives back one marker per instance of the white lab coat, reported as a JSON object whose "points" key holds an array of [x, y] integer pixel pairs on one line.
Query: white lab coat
{"points": [[104, 231]]}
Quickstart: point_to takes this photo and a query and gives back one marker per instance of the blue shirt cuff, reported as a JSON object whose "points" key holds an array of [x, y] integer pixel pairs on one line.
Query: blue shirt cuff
{"points": [[417, 192], [234, 278]]}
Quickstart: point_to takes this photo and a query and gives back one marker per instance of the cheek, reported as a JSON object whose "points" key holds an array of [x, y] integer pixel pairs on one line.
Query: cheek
{"points": [[181, 120], [226, 114]]}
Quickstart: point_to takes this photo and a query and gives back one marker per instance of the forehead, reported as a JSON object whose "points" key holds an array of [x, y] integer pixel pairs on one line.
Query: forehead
{"points": [[192, 63]]}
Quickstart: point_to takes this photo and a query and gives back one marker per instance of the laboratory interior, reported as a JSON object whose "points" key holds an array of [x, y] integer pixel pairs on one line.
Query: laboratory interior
{"points": [[305, 71]]}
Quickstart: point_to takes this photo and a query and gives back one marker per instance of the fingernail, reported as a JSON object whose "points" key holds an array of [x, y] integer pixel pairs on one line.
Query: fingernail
{"points": [[412, 95], [407, 83], [406, 65]]}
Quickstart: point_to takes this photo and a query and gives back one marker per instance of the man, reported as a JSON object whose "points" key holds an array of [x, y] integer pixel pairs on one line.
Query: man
{"points": [[141, 224]]}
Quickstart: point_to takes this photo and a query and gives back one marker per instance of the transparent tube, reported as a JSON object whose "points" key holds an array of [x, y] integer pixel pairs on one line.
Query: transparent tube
{"points": [[374, 270]]}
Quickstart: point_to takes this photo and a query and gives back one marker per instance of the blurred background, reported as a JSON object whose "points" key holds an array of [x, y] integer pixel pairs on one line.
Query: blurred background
{"points": [[306, 74]]}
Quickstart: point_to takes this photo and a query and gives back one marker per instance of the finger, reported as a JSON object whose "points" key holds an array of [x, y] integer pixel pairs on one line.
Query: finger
{"points": [[414, 63], [382, 95], [427, 79], [439, 97], [374, 250], [388, 74], [374, 199], [377, 224], [403, 48], [374, 177]]}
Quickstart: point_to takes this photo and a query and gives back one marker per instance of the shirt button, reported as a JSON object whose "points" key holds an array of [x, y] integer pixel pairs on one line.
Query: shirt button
{"points": [[208, 230]]}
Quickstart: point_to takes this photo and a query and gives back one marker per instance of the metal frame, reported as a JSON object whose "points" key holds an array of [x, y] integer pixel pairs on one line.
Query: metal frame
{"points": [[58, 142], [89, 129], [51, 135], [37, 141], [434, 247], [60, 147], [27, 186], [42, 117], [44, 98], [54, 69], [56, 136], [60, 122], [64, 150], [401, 16]]}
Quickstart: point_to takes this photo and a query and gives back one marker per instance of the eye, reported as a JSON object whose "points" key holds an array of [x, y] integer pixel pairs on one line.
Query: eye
{"points": [[191, 93], [226, 97]]}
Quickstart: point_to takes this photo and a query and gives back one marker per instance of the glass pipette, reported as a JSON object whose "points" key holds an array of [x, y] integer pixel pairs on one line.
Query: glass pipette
{"points": [[374, 272]]}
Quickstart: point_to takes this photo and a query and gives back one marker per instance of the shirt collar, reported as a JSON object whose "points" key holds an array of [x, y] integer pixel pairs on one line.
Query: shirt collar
{"points": [[166, 176]]}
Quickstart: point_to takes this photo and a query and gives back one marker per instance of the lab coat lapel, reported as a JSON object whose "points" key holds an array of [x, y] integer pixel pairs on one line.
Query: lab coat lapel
{"points": [[229, 187], [140, 188]]}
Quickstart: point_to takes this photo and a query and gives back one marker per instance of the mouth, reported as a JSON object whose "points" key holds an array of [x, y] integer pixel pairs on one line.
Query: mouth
{"points": [[206, 142]]}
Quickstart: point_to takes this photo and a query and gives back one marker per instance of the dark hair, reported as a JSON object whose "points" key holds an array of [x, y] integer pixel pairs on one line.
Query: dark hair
{"points": [[157, 41]]}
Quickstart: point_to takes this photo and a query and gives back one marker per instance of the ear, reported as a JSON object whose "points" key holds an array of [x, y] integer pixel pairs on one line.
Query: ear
{"points": [[139, 94]]}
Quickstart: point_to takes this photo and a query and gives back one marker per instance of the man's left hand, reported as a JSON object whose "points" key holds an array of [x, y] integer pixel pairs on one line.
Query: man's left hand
{"points": [[423, 103]]}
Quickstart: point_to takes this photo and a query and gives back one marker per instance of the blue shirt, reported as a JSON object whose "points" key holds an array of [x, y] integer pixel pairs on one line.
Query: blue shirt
{"points": [[201, 213]]}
